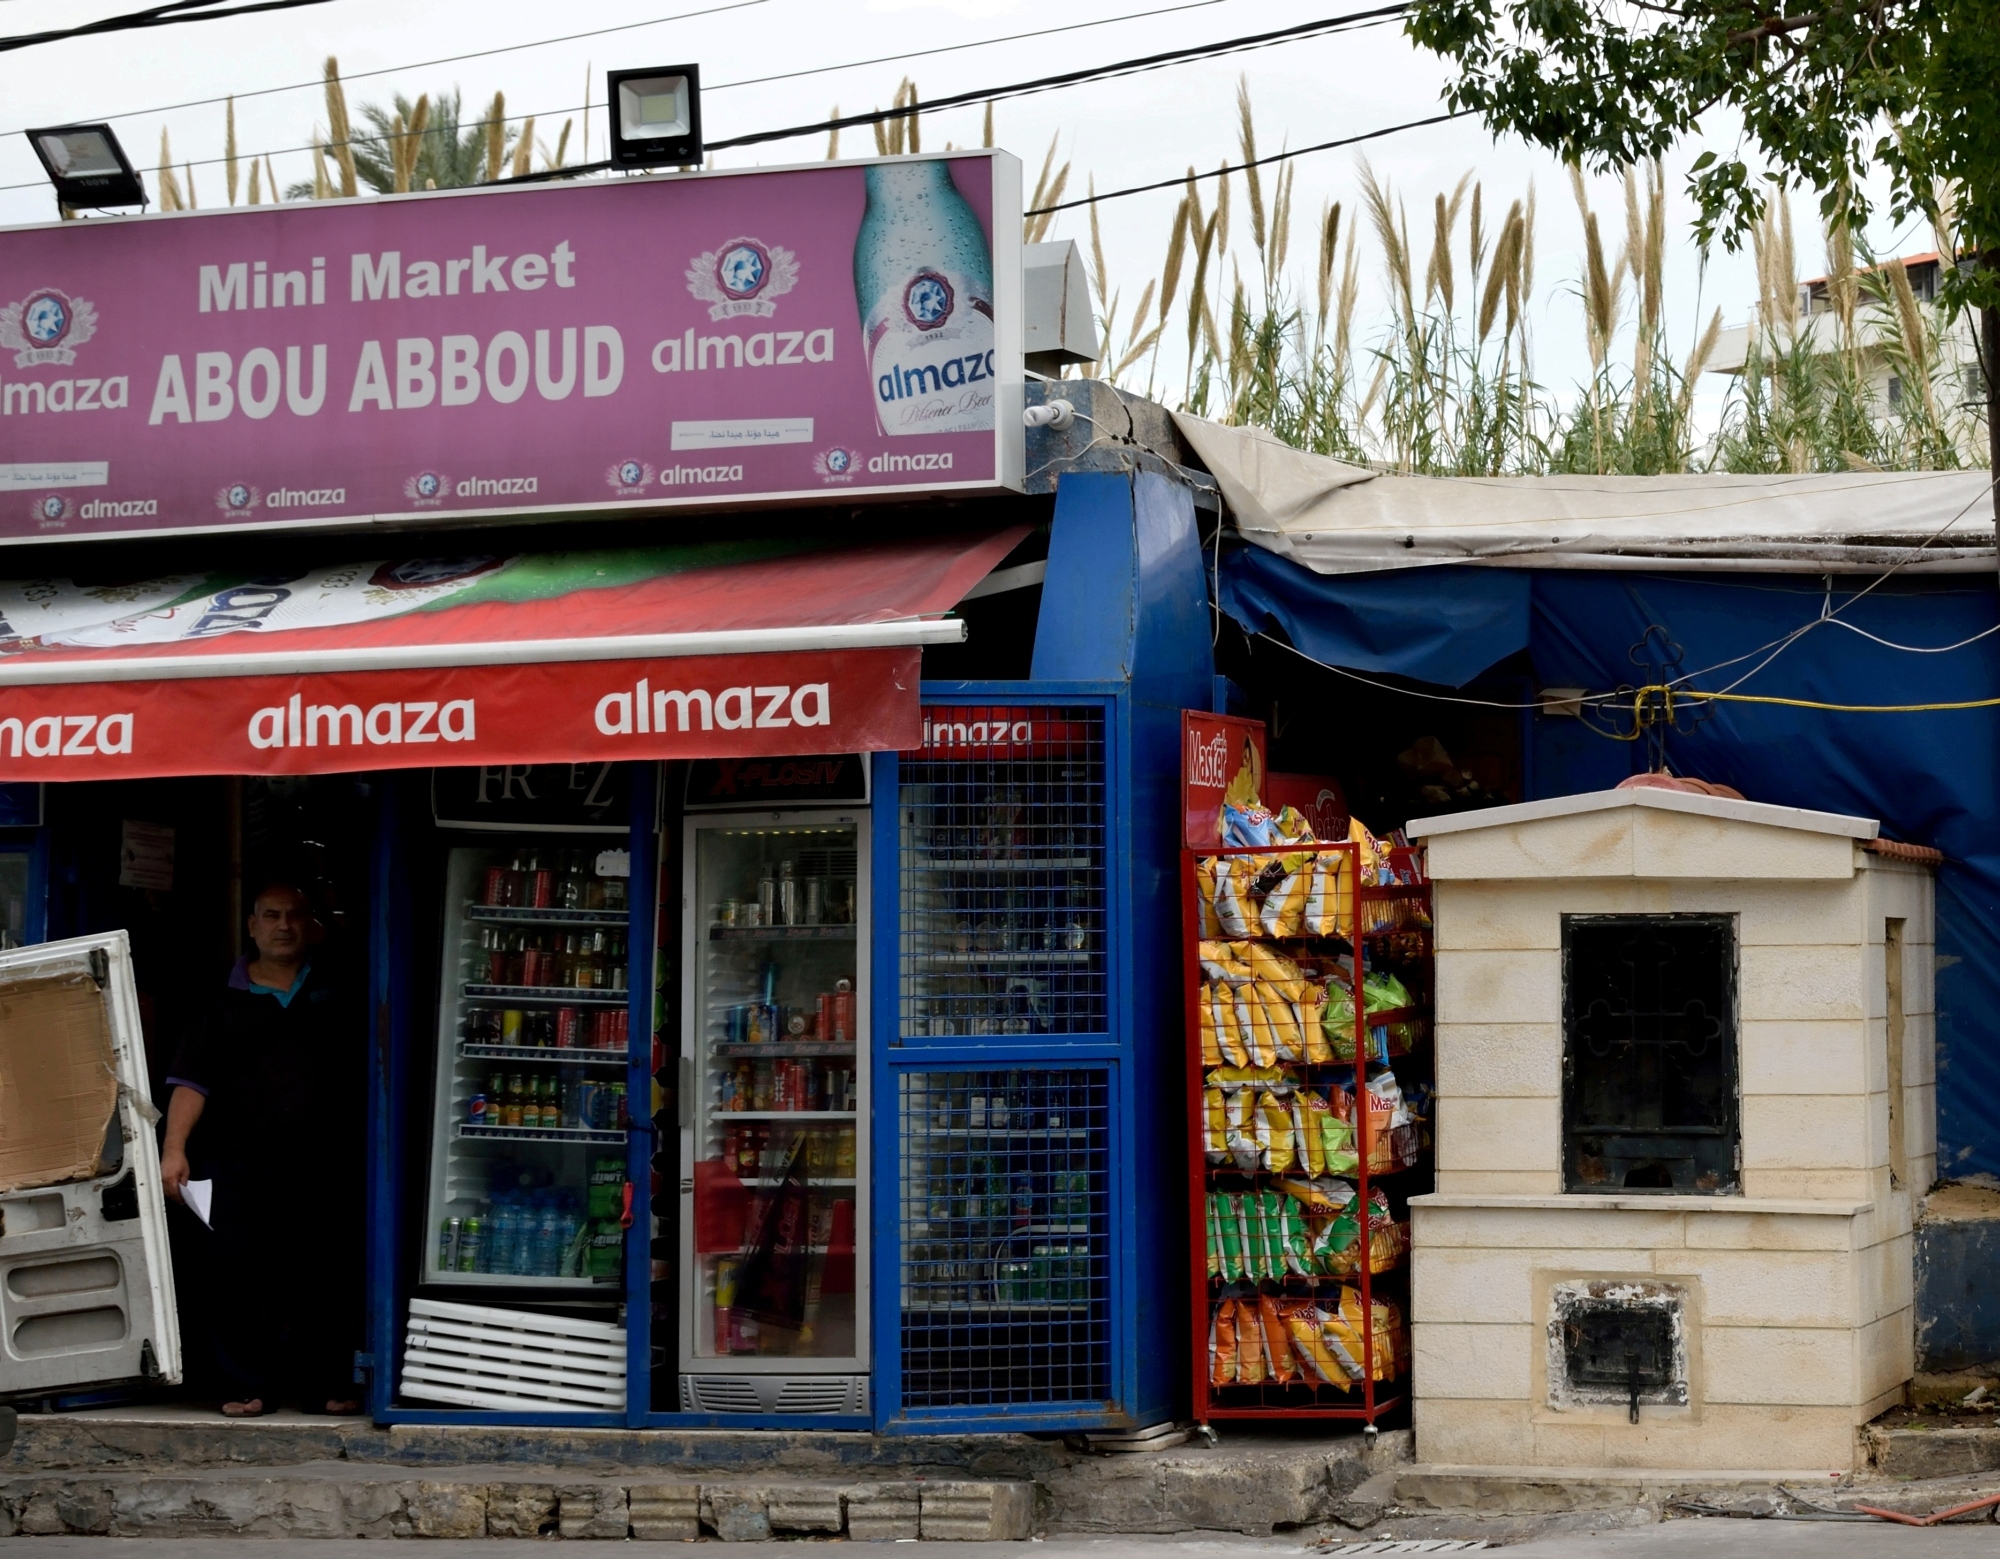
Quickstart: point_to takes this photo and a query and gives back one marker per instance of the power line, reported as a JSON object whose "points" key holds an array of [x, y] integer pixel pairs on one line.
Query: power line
{"points": [[449, 59], [1077, 77], [681, 16], [989, 94], [1226, 169], [171, 14]]}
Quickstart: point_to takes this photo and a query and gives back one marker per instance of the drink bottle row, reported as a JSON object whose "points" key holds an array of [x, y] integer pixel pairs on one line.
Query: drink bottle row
{"points": [[762, 1152], [784, 1085], [780, 895], [983, 1189], [551, 879], [545, 1101], [567, 960], [549, 1028]]}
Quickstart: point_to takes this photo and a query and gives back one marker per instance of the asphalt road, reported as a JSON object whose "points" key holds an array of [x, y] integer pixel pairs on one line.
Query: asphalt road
{"points": [[1694, 1539]]}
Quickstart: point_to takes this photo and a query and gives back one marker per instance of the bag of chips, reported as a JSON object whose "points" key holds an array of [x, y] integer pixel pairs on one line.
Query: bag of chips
{"points": [[1211, 1047], [1215, 1125], [1312, 1023], [1246, 825], [1329, 905], [1214, 1236], [1255, 1024], [1283, 1364], [1337, 1155], [1336, 1244], [1204, 895], [1283, 1019], [1220, 998], [1294, 1239], [1268, 964], [1389, 1354], [1274, 1133], [1251, 1355], [1228, 1235], [1284, 907], [1239, 1130], [1222, 1344], [1235, 911]]}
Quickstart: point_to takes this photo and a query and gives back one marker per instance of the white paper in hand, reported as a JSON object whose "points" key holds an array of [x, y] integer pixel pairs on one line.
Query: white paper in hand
{"points": [[199, 1195]]}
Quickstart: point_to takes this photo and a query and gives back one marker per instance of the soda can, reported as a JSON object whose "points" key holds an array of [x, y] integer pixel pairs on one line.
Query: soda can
{"points": [[510, 1026], [542, 888], [567, 1024], [586, 1106], [471, 1244], [496, 886], [478, 1111], [448, 1237]]}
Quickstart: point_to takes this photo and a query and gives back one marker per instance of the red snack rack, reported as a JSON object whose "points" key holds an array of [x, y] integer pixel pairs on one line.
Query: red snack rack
{"points": [[1381, 926]]}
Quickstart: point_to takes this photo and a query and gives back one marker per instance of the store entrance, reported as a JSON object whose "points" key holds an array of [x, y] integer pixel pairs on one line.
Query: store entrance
{"points": [[175, 864]]}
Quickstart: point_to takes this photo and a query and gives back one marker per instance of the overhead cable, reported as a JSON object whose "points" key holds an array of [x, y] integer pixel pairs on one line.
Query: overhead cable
{"points": [[1074, 78], [171, 14], [1180, 181], [319, 82]]}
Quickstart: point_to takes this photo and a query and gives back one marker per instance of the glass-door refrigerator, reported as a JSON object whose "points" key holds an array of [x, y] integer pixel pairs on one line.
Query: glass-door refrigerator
{"points": [[774, 1113], [528, 1171]]}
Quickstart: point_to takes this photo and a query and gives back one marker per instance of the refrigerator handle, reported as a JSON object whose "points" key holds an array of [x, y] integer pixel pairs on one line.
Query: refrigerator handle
{"points": [[686, 1091]]}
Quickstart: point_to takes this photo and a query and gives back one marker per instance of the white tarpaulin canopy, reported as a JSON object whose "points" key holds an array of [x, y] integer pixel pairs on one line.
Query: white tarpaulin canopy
{"points": [[1337, 518]]}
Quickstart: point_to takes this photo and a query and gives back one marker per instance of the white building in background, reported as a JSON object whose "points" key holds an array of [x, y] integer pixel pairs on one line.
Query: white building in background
{"points": [[1819, 322]]}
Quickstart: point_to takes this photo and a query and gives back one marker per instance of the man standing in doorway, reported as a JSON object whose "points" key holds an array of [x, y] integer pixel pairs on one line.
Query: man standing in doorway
{"points": [[274, 1076]]}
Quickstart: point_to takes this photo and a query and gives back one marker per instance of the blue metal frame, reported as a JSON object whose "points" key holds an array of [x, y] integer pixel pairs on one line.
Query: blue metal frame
{"points": [[1124, 627], [33, 843], [641, 898]]}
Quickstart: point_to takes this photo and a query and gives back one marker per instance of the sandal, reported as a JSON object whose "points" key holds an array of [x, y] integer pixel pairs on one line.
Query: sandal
{"points": [[249, 1407], [342, 1407]]}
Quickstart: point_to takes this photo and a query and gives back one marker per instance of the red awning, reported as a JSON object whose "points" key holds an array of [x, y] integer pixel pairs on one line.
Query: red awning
{"points": [[752, 648]]}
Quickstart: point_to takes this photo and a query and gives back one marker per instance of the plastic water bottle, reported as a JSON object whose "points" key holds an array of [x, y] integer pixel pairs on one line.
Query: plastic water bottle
{"points": [[923, 277], [548, 1243], [500, 1237]]}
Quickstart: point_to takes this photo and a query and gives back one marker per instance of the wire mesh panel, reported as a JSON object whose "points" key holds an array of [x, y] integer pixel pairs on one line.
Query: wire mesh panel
{"points": [[1003, 875], [1005, 1237]]}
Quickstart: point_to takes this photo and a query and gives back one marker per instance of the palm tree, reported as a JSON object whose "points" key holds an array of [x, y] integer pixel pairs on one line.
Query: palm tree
{"points": [[450, 154]]}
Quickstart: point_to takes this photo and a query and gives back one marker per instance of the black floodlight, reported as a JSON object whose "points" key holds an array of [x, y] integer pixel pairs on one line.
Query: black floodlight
{"points": [[87, 166], [655, 117]]}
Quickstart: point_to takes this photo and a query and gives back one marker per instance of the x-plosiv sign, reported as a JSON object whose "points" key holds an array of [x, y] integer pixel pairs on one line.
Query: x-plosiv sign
{"points": [[781, 335]]}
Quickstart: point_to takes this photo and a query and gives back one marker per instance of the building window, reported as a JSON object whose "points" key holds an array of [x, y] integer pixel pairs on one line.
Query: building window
{"points": [[1649, 1054], [1895, 389]]}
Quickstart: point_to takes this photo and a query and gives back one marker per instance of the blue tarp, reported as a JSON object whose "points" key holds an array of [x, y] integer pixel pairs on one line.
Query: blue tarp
{"points": [[1931, 778]]}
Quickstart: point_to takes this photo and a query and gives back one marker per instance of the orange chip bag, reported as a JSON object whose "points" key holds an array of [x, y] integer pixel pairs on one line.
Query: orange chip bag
{"points": [[1223, 1348], [1277, 1341]]}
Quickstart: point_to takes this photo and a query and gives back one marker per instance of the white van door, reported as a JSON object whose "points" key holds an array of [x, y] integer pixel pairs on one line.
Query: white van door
{"points": [[86, 1285]]}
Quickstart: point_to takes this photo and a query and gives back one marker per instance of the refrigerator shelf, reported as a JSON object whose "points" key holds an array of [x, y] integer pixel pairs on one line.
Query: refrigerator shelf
{"points": [[553, 995], [781, 1115], [1016, 960], [544, 1055], [785, 1049], [1021, 1133], [525, 915], [781, 933], [538, 1133], [437, 1279], [993, 1307], [1009, 863]]}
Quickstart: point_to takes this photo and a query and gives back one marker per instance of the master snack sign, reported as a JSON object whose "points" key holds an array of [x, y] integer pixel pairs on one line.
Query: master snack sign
{"points": [[795, 334]]}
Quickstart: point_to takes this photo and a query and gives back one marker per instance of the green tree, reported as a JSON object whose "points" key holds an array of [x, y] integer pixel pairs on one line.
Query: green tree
{"points": [[1825, 92]]}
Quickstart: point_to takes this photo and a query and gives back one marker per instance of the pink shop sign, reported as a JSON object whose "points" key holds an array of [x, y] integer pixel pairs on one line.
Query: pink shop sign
{"points": [[818, 333]]}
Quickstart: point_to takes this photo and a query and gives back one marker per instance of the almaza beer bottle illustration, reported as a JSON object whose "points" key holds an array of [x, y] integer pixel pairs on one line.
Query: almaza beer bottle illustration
{"points": [[923, 280]]}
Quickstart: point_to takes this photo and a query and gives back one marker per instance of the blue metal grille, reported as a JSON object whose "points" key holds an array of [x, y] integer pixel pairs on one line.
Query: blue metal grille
{"points": [[1005, 1237], [1003, 882]]}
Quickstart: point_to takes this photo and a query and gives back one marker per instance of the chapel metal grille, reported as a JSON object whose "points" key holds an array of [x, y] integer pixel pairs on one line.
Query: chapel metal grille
{"points": [[1005, 1223], [1003, 873]]}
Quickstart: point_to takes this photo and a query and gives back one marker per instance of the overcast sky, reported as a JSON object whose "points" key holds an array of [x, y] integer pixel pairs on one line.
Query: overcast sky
{"points": [[1121, 132]]}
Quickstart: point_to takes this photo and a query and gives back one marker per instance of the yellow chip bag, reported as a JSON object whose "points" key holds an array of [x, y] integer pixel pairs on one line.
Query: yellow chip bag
{"points": [[1215, 1124], [1204, 893], [1235, 913], [1228, 1025], [1283, 912], [1274, 968], [1211, 1049], [1274, 1132], [1283, 1018], [1256, 1026], [1312, 1021]]}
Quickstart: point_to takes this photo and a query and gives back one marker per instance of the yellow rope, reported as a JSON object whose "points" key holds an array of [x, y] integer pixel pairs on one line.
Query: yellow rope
{"points": [[1671, 694]]}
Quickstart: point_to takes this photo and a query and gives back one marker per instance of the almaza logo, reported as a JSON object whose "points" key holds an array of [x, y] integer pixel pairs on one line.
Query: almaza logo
{"points": [[928, 301], [51, 509], [295, 723], [238, 500], [428, 489], [836, 464], [743, 277], [628, 477], [66, 736], [644, 710], [46, 327]]}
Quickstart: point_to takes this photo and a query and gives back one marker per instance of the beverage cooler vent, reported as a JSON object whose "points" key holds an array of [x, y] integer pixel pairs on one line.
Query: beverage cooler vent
{"points": [[1006, 1294], [774, 1394], [479, 1356]]}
